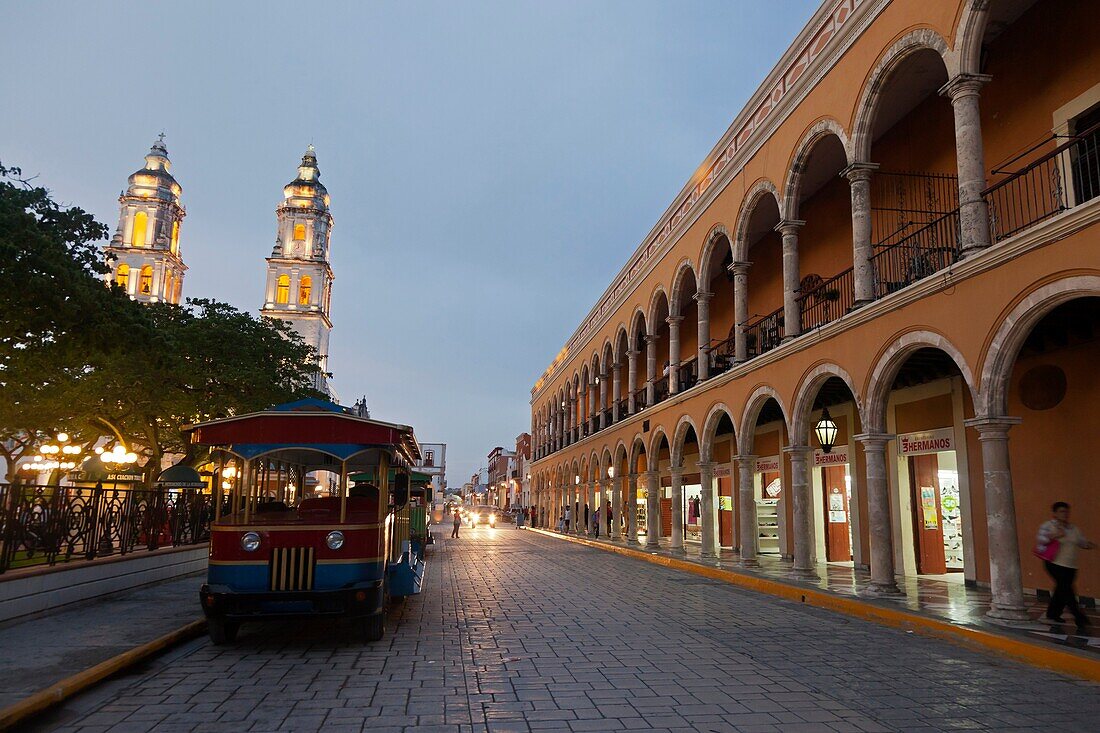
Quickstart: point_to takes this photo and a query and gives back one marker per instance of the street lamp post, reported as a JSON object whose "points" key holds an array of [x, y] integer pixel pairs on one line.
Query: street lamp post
{"points": [[57, 455], [114, 459]]}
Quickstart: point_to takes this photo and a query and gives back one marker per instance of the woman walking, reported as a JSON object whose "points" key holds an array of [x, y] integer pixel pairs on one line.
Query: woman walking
{"points": [[457, 524], [1061, 561]]}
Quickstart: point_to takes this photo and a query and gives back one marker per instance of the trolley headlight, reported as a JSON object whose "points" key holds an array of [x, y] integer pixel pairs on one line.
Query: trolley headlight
{"points": [[492, 520], [250, 542], [334, 540]]}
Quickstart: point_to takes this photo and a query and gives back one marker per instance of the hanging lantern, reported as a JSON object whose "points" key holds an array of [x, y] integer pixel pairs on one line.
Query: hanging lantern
{"points": [[826, 431]]}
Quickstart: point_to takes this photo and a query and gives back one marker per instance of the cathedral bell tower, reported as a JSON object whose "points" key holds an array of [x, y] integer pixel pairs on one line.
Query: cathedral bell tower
{"points": [[144, 253], [299, 277]]}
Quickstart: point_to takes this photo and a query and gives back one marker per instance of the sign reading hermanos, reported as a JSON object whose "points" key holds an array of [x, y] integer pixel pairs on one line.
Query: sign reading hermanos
{"points": [[929, 441]]}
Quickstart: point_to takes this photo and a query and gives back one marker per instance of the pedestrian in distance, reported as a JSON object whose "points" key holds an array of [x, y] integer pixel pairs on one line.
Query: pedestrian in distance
{"points": [[596, 522], [1057, 545], [565, 519], [457, 524]]}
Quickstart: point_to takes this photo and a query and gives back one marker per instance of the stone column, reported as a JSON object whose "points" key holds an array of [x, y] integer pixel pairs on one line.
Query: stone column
{"points": [[602, 421], [616, 508], [746, 498], [631, 509], [674, 353], [707, 517], [677, 544], [878, 514], [965, 91], [593, 405], [740, 310], [616, 391], [859, 176], [803, 512], [650, 369], [592, 508], [631, 380], [1000, 516], [653, 510], [702, 362], [581, 526], [792, 311]]}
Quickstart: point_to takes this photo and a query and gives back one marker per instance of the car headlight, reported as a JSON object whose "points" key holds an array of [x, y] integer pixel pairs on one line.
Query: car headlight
{"points": [[250, 542], [492, 520], [334, 540]]}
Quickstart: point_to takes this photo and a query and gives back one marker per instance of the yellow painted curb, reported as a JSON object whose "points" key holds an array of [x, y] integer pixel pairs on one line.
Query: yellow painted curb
{"points": [[66, 688], [1065, 661]]}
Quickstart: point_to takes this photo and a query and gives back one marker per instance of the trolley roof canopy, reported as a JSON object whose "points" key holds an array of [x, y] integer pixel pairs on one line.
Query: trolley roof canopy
{"points": [[313, 433]]}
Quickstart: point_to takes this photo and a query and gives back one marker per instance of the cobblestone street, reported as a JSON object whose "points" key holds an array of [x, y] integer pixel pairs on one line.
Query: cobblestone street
{"points": [[521, 632]]}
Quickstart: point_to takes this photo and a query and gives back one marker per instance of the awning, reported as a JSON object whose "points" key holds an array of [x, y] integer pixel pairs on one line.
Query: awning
{"points": [[180, 477]]}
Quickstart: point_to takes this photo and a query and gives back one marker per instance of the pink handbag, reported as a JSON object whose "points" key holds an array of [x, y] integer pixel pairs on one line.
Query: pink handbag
{"points": [[1047, 552]]}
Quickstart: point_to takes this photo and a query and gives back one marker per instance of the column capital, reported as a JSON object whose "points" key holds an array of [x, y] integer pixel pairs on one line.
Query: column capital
{"points": [[874, 440], [676, 471], [789, 226], [652, 338], [745, 457], [992, 428], [740, 267], [702, 296], [706, 465], [964, 85], [859, 171], [652, 474], [674, 320], [798, 452]]}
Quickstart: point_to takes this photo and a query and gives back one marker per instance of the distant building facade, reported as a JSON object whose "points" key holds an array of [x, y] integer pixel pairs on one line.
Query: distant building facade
{"points": [[434, 463]]}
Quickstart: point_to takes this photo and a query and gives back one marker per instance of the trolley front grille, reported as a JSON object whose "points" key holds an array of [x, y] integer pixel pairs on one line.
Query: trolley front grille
{"points": [[291, 568]]}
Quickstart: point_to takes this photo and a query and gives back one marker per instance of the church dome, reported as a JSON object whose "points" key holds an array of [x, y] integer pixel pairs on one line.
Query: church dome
{"points": [[154, 180], [307, 190]]}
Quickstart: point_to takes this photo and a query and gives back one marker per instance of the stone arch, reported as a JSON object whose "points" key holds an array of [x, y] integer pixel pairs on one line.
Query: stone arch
{"points": [[824, 127], [683, 270], [637, 449], [759, 190], [632, 334], [714, 239], [654, 303], [684, 424], [877, 393], [658, 434], [807, 393], [969, 33], [917, 40], [1000, 355], [620, 454], [710, 429], [747, 429], [622, 339]]}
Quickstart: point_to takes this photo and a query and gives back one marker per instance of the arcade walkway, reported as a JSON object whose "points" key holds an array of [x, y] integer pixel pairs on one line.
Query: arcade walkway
{"points": [[522, 632]]}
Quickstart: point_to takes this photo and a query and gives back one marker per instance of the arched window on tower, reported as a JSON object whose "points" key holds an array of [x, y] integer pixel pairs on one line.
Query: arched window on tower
{"points": [[282, 290], [145, 285], [305, 289], [175, 237], [141, 223], [122, 277], [299, 232]]}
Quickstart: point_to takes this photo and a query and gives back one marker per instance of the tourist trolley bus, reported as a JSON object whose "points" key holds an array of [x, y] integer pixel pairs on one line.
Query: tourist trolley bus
{"points": [[281, 549]]}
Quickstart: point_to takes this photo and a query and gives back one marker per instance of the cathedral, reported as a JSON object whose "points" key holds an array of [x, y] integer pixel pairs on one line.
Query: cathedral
{"points": [[145, 259], [299, 277], [144, 253]]}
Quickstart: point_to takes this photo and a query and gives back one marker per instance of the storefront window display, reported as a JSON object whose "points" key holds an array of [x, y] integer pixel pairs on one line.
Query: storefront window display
{"points": [[929, 459], [693, 524], [768, 491]]}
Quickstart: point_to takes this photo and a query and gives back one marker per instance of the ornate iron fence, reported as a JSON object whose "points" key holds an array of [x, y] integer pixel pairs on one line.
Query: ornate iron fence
{"points": [[46, 525], [828, 300], [765, 333], [1066, 176], [903, 202], [924, 252]]}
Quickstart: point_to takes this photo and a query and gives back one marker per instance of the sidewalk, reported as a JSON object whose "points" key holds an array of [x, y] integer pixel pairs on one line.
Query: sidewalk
{"points": [[942, 600], [41, 651]]}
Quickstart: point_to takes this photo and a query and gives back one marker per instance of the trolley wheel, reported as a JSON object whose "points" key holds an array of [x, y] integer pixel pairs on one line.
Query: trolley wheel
{"points": [[375, 627], [222, 631]]}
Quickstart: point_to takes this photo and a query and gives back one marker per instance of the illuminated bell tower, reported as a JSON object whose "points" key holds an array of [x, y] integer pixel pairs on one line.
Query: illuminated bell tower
{"points": [[299, 277], [144, 253]]}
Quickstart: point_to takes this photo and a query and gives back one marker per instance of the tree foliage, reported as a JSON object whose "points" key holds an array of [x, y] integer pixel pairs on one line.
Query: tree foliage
{"points": [[81, 356]]}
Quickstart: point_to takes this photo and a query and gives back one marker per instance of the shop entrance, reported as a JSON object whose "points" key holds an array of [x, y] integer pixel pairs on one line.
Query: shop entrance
{"points": [[936, 502], [693, 507], [838, 524], [768, 492]]}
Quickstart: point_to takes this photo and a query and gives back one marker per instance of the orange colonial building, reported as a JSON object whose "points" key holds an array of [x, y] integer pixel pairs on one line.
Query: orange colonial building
{"points": [[899, 229]]}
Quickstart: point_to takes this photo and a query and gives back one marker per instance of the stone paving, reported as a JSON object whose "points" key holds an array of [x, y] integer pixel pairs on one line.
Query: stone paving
{"points": [[521, 632]]}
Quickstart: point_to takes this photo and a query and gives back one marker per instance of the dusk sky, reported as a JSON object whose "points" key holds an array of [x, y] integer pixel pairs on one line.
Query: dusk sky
{"points": [[491, 164]]}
